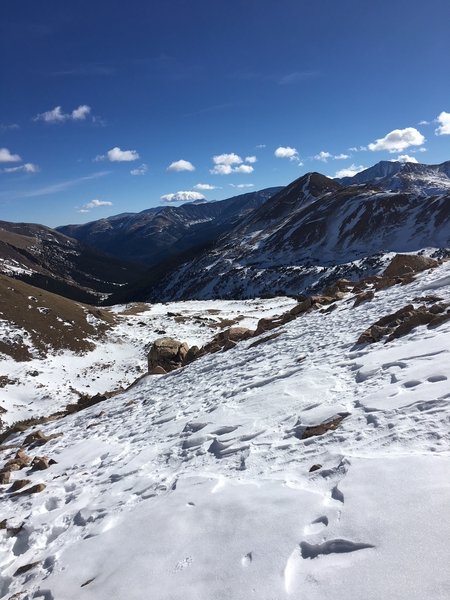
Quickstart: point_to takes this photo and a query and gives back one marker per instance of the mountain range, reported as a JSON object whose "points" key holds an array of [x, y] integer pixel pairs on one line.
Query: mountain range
{"points": [[288, 240]]}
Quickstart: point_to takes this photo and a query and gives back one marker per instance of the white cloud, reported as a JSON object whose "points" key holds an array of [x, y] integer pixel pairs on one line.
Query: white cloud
{"points": [[205, 186], [227, 159], [260, 146], [398, 140], [404, 158], [7, 157], [141, 170], [424, 123], [341, 156], [225, 164], [251, 159], [25, 168], [350, 171], [80, 113], [286, 152], [444, 124], [323, 156], [118, 155], [94, 204], [56, 115], [242, 185], [243, 169], [186, 196], [181, 165]]}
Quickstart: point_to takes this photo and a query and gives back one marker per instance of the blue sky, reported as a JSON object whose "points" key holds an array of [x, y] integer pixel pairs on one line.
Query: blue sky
{"points": [[109, 107]]}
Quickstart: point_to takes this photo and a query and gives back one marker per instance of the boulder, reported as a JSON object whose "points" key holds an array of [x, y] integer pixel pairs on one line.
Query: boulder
{"points": [[363, 297], [167, 353], [407, 264], [40, 463], [35, 489], [227, 339]]}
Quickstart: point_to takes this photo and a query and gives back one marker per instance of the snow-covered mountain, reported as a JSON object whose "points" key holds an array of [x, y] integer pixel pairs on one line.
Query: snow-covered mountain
{"points": [[155, 234], [48, 259], [411, 177], [317, 229], [295, 465]]}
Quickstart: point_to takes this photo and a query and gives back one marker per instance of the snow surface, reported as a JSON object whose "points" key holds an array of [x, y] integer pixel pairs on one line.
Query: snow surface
{"points": [[42, 386], [193, 486]]}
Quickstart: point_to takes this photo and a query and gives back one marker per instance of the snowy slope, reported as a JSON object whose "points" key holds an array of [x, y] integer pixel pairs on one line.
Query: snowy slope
{"points": [[196, 486], [44, 385]]}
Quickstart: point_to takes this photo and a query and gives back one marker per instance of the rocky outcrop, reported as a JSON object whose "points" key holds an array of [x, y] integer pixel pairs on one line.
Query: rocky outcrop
{"points": [[403, 321], [225, 340], [166, 354], [408, 264]]}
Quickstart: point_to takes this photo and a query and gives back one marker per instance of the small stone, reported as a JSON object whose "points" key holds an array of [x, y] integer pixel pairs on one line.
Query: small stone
{"points": [[26, 568], [19, 484], [315, 468], [5, 477], [35, 489]]}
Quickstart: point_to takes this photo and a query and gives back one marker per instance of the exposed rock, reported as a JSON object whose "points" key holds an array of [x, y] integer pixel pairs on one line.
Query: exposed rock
{"points": [[39, 438], [315, 468], [225, 340], [405, 264], [157, 371], [26, 568], [35, 489], [193, 353], [21, 461], [5, 477], [167, 353], [313, 430], [19, 484], [401, 322], [40, 463], [364, 297]]}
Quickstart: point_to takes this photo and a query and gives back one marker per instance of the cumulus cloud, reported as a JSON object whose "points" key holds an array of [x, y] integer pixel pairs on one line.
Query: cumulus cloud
{"points": [[141, 170], [350, 171], [56, 115], [118, 155], [341, 156], [251, 159], [181, 165], [323, 156], [183, 196], [444, 124], [25, 168], [205, 186], [6, 156], [225, 164], [398, 140], [243, 169], [227, 159], [404, 158], [94, 204], [286, 152]]}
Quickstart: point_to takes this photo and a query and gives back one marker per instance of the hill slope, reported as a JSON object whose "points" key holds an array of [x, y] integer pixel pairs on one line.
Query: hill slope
{"points": [[309, 233], [48, 259], [155, 234], [223, 479]]}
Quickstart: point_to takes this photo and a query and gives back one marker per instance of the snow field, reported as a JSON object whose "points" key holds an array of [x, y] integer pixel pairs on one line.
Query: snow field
{"points": [[196, 486]]}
